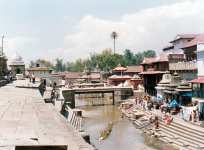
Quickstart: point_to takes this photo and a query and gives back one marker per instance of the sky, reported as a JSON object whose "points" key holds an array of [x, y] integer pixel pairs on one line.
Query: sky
{"points": [[72, 29]]}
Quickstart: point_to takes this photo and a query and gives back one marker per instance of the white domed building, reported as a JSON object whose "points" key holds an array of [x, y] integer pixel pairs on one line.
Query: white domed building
{"points": [[17, 65]]}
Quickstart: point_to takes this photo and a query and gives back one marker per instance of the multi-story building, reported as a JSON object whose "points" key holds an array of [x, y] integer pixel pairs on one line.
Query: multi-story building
{"points": [[178, 43], [198, 83], [153, 69], [187, 44]]}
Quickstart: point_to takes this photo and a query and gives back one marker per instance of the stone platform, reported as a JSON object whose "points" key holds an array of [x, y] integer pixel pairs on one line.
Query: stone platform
{"points": [[25, 120]]}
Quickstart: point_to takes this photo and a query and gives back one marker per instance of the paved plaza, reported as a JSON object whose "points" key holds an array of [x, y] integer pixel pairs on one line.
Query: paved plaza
{"points": [[26, 120]]}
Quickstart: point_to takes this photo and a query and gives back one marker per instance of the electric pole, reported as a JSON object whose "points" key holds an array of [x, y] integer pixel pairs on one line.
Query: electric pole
{"points": [[2, 45]]}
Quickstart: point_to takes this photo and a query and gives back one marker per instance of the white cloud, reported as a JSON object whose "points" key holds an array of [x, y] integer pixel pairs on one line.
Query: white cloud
{"points": [[21, 45], [148, 29]]}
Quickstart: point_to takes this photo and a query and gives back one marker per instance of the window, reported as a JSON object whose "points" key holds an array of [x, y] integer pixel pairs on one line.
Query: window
{"points": [[198, 90], [200, 55]]}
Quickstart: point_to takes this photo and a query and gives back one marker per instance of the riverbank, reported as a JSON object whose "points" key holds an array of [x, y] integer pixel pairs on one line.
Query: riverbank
{"points": [[177, 134], [123, 135]]}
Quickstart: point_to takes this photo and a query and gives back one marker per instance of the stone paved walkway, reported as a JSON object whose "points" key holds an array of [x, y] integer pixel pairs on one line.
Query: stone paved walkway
{"points": [[26, 120]]}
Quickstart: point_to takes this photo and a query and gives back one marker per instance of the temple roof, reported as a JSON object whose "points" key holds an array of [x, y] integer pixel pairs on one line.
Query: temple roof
{"points": [[161, 58], [197, 39], [134, 69], [183, 36]]}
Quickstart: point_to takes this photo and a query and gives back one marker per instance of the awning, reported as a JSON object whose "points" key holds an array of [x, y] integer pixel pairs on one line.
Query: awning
{"points": [[198, 80], [188, 94], [152, 72]]}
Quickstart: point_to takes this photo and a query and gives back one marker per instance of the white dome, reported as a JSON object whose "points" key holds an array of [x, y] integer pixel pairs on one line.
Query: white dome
{"points": [[17, 60]]}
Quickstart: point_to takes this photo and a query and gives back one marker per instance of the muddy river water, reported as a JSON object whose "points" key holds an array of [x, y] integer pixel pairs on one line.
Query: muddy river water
{"points": [[124, 135]]}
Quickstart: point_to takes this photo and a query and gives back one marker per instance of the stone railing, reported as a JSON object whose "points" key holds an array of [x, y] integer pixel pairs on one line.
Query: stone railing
{"points": [[3, 82], [191, 65]]}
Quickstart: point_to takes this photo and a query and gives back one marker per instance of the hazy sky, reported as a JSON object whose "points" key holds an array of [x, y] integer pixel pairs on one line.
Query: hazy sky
{"points": [[72, 29]]}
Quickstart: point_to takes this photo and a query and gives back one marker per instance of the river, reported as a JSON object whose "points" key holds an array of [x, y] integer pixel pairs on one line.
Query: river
{"points": [[124, 135]]}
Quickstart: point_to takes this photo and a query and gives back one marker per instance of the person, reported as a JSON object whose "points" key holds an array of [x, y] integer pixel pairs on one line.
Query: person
{"points": [[168, 119], [194, 116], [151, 120], [30, 77], [33, 78], [136, 100], [156, 122]]}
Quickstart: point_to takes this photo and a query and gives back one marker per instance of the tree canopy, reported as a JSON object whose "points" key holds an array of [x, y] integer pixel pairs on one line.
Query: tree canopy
{"points": [[106, 61]]}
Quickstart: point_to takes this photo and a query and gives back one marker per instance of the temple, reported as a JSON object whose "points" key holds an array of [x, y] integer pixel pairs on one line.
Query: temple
{"points": [[17, 65]]}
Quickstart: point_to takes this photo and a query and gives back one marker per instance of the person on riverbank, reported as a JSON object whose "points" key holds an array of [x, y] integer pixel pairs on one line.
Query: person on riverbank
{"points": [[167, 119], [151, 118], [156, 122]]}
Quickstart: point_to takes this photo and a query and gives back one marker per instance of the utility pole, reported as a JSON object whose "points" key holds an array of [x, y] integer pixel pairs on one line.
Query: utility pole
{"points": [[2, 45]]}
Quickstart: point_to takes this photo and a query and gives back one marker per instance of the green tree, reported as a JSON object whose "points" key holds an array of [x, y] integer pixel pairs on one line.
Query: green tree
{"points": [[149, 53], [59, 66], [129, 57], [139, 58], [42, 63]]}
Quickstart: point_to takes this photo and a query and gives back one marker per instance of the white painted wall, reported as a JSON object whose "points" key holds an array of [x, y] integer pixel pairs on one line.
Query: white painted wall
{"points": [[200, 59]]}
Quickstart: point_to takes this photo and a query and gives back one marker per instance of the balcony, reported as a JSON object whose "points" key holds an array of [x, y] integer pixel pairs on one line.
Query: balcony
{"points": [[183, 66]]}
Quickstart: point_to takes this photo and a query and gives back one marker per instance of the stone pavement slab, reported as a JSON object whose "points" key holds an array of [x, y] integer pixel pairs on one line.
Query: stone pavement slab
{"points": [[26, 120]]}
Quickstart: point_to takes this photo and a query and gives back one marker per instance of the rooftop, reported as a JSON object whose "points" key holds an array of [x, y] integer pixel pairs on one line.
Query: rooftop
{"points": [[152, 72], [198, 80], [184, 36], [197, 39], [72, 75], [39, 69], [161, 58], [134, 69]]}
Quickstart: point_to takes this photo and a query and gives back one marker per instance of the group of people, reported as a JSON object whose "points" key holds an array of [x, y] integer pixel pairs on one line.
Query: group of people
{"points": [[145, 102]]}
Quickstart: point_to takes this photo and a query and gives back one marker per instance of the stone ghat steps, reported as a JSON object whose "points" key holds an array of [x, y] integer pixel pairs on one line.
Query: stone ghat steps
{"points": [[183, 135], [197, 129], [179, 140], [183, 132], [178, 144], [182, 139]]}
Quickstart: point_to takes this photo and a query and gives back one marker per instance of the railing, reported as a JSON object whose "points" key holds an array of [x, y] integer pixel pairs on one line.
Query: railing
{"points": [[190, 65]]}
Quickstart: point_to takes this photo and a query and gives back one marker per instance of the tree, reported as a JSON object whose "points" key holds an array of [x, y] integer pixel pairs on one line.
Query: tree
{"points": [[129, 57], [114, 36], [59, 66], [149, 53], [42, 63], [139, 58]]}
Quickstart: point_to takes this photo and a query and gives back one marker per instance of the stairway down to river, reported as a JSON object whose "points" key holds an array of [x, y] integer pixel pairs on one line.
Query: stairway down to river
{"points": [[182, 136]]}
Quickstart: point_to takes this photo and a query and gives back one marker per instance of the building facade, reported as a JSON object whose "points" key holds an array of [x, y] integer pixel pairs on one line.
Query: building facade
{"points": [[198, 83], [178, 43], [3, 66], [17, 65], [153, 69], [39, 72]]}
